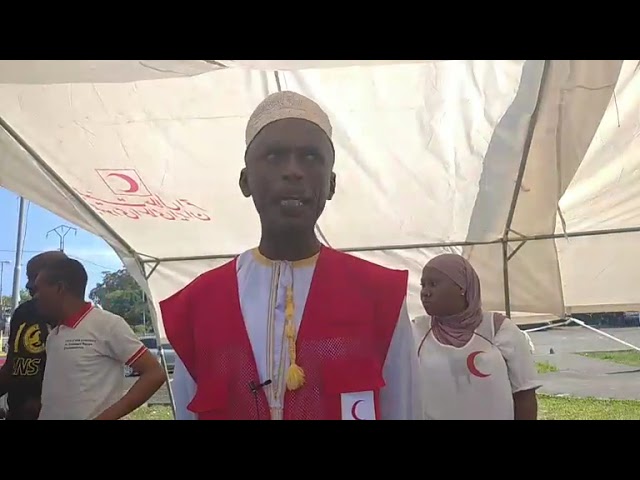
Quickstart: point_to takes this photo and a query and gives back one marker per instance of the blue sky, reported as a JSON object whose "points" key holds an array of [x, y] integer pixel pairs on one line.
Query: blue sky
{"points": [[94, 253]]}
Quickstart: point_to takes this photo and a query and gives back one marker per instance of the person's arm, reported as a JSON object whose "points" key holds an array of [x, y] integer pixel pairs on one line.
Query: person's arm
{"points": [[5, 370], [525, 405], [184, 389], [400, 398], [521, 367], [124, 345]]}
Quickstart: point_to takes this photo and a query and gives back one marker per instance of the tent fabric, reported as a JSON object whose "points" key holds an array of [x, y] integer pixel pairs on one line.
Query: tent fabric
{"points": [[98, 71], [429, 154]]}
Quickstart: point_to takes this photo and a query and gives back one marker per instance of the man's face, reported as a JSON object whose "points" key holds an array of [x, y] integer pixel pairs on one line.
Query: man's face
{"points": [[30, 286], [39, 263], [32, 274], [48, 295], [289, 174]]}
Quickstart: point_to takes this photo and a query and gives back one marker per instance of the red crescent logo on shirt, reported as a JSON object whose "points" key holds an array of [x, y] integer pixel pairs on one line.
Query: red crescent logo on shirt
{"points": [[471, 365], [354, 412]]}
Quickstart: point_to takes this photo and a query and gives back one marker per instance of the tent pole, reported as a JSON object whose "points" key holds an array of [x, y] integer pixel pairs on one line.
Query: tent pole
{"points": [[548, 327], [518, 186], [163, 361], [604, 334], [378, 248], [505, 276]]}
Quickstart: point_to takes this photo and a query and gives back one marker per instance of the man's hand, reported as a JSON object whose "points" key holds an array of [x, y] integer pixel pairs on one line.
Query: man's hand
{"points": [[151, 378]]}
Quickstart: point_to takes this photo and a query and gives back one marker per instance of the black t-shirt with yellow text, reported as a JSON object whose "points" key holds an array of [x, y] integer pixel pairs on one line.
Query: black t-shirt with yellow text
{"points": [[26, 355]]}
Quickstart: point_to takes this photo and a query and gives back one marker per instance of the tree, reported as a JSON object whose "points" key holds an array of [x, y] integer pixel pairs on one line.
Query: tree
{"points": [[5, 302], [120, 294]]}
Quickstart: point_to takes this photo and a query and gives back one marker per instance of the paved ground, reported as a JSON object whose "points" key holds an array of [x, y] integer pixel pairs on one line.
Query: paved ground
{"points": [[585, 377], [578, 376]]}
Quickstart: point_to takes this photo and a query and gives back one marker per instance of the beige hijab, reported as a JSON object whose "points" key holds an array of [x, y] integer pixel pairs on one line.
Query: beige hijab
{"points": [[456, 330]]}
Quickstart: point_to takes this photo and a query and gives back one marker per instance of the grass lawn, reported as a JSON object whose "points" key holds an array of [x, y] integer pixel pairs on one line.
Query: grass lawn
{"points": [[156, 412], [546, 367], [623, 357], [567, 408], [549, 408]]}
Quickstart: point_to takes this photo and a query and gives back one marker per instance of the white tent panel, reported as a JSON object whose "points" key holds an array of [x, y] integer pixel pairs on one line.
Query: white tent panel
{"points": [[157, 167], [390, 140], [273, 65], [605, 191], [601, 273], [504, 158], [107, 140], [164, 156], [573, 99], [22, 174], [98, 71]]}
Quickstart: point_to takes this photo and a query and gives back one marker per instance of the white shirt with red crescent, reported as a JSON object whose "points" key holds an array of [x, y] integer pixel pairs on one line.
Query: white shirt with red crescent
{"points": [[478, 380], [262, 285]]}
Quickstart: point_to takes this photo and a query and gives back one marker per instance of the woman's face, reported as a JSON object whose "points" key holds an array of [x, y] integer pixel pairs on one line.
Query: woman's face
{"points": [[440, 296]]}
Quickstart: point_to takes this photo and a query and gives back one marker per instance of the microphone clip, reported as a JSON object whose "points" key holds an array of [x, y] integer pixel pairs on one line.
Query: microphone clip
{"points": [[255, 388]]}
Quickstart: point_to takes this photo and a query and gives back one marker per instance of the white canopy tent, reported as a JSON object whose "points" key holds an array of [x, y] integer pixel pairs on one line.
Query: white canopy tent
{"points": [[531, 168]]}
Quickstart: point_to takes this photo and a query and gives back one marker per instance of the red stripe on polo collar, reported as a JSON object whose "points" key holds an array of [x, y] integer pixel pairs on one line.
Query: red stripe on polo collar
{"points": [[76, 318]]}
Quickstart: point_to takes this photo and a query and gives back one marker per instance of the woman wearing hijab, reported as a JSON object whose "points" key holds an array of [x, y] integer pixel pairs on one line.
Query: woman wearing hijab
{"points": [[475, 365]]}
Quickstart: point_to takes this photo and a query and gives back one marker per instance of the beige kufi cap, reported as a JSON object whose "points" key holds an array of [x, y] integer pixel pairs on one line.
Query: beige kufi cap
{"points": [[281, 105]]}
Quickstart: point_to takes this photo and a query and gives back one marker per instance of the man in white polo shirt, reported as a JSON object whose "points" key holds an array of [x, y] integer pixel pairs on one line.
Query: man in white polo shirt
{"points": [[86, 352]]}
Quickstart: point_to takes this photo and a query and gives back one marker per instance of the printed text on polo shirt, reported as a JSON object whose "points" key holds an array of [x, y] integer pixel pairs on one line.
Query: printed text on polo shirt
{"points": [[79, 343]]}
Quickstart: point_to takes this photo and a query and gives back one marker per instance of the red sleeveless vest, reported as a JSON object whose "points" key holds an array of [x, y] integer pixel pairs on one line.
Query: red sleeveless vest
{"points": [[351, 313]]}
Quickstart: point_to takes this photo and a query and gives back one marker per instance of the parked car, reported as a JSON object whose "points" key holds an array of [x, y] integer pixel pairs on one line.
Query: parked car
{"points": [[152, 344]]}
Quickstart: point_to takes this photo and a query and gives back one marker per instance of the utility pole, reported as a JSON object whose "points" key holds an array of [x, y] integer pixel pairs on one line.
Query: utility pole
{"points": [[17, 266], [2, 264], [61, 231]]}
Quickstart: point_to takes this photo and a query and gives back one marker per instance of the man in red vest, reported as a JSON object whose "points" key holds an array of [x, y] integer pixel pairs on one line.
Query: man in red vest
{"points": [[292, 329]]}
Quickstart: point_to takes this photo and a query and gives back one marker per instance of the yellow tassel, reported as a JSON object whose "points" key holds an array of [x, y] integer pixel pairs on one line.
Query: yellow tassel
{"points": [[295, 374], [289, 309], [295, 377], [290, 331]]}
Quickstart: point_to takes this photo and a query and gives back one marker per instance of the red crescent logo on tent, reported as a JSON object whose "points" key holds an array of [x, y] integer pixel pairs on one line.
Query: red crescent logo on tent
{"points": [[354, 412], [471, 365], [131, 184], [124, 182]]}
